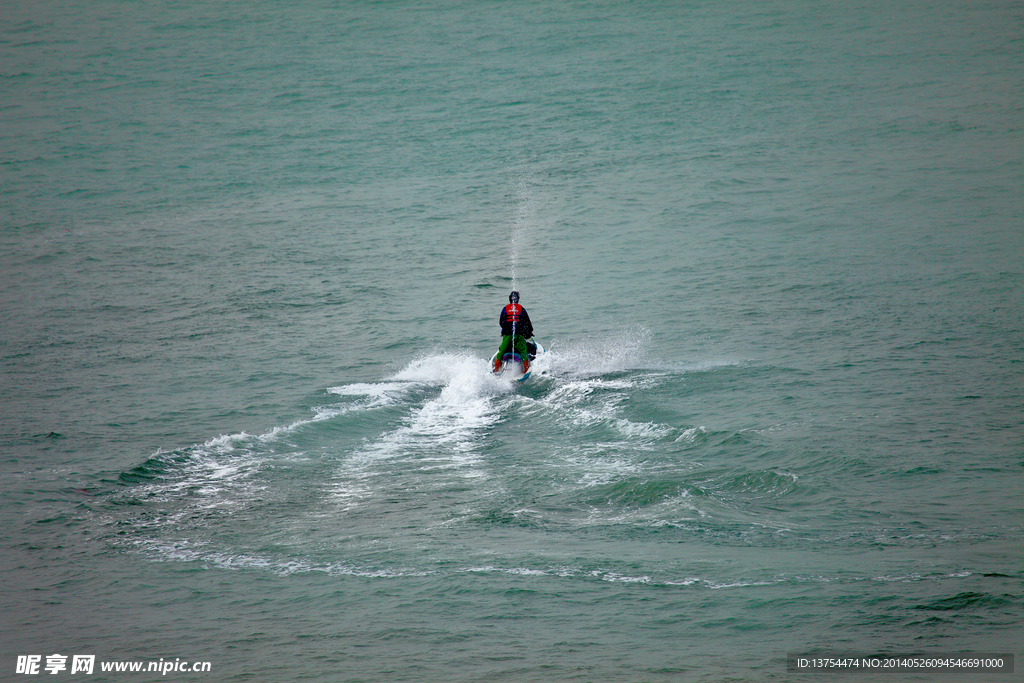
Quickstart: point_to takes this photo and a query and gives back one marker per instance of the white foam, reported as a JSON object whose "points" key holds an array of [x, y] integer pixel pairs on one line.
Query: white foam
{"points": [[690, 435], [689, 581], [184, 551], [381, 390], [619, 578], [444, 433], [518, 571], [226, 442]]}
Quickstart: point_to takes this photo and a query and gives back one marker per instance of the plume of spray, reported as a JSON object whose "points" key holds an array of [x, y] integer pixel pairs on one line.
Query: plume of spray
{"points": [[524, 214], [625, 349]]}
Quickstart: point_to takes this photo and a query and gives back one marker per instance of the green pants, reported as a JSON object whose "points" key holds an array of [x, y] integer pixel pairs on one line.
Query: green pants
{"points": [[506, 343]]}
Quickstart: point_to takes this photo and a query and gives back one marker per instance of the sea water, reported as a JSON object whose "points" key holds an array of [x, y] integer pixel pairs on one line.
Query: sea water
{"points": [[253, 256]]}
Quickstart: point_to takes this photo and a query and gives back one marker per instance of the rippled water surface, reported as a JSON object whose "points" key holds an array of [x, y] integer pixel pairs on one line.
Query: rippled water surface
{"points": [[253, 260]]}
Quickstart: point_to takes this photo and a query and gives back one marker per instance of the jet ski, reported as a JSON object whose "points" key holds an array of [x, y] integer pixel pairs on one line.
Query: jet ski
{"points": [[512, 363]]}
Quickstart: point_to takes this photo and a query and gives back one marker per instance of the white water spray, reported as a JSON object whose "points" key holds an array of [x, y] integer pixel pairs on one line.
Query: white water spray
{"points": [[523, 219], [525, 213]]}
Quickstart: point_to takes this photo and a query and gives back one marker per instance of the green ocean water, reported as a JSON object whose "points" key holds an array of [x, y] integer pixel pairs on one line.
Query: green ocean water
{"points": [[253, 258]]}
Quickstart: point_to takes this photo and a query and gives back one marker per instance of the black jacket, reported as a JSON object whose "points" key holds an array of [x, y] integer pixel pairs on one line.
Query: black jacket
{"points": [[524, 328]]}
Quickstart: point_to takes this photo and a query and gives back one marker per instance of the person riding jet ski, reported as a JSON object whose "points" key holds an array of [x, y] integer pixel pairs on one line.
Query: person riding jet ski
{"points": [[516, 328]]}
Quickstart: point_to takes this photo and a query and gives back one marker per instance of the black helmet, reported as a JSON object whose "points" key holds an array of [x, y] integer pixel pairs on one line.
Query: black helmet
{"points": [[513, 298]]}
